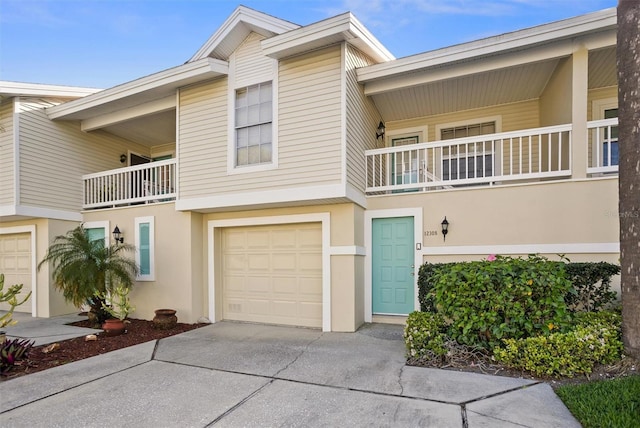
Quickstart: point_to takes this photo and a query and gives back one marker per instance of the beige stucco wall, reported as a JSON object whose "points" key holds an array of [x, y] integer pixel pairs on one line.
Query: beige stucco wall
{"points": [[178, 259], [540, 213]]}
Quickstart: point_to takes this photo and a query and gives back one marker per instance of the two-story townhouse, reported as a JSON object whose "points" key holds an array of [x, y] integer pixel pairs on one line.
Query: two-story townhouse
{"points": [[258, 186]]}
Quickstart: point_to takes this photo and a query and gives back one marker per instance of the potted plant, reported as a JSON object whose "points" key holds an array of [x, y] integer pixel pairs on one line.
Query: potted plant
{"points": [[85, 269], [118, 306]]}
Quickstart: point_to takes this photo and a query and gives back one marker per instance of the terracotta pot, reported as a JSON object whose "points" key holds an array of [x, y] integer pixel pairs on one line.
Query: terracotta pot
{"points": [[113, 327], [165, 319]]}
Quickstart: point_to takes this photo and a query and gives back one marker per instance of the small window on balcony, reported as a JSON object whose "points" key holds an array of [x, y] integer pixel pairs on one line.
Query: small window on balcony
{"points": [[253, 125], [471, 159]]}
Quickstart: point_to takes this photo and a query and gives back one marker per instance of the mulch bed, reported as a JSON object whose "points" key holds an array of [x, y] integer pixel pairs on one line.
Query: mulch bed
{"points": [[138, 331]]}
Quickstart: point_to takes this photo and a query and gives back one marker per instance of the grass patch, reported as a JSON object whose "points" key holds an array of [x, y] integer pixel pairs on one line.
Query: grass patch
{"points": [[607, 403]]}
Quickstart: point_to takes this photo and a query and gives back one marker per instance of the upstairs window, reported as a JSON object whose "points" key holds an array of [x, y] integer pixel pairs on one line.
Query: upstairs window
{"points": [[253, 125]]}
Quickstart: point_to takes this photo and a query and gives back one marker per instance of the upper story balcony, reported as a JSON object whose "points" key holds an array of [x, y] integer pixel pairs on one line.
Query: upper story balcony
{"points": [[140, 184], [491, 159]]}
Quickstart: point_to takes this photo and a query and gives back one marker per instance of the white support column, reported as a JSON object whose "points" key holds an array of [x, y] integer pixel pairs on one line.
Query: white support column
{"points": [[580, 88]]}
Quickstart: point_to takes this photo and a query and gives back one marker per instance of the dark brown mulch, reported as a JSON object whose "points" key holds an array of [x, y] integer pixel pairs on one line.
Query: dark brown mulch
{"points": [[138, 331]]}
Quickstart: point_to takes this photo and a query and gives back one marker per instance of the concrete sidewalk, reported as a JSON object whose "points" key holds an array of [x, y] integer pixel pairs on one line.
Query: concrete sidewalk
{"points": [[233, 374]]}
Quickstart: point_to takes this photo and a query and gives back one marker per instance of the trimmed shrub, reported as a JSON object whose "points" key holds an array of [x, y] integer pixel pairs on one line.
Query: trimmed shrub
{"points": [[596, 338], [592, 285], [486, 301], [424, 335]]}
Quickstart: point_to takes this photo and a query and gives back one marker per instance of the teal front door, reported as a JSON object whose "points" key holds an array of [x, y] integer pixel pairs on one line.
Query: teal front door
{"points": [[392, 262]]}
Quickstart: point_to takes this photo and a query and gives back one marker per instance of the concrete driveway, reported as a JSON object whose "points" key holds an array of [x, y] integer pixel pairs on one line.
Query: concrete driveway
{"points": [[247, 375]]}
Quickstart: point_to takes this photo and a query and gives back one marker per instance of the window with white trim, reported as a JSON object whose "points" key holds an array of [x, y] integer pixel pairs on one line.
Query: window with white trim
{"points": [[145, 248], [253, 124], [468, 160]]}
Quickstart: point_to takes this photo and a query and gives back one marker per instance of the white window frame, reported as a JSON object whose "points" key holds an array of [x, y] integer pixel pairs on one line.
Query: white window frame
{"points": [[497, 120], [100, 224], [231, 128], [152, 269], [598, 107]]}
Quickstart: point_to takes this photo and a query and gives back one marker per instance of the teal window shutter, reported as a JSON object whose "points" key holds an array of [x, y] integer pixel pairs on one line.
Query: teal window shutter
{"points": [[144, 249]]}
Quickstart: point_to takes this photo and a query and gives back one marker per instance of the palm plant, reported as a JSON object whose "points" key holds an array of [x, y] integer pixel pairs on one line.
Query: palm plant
{"points": [[84, 269]]}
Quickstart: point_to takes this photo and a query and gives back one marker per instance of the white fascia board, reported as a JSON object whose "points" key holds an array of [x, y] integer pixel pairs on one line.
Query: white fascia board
{"points": [[18, 89], [164, 82], [343, 27], [555, 31], [242, 15]]}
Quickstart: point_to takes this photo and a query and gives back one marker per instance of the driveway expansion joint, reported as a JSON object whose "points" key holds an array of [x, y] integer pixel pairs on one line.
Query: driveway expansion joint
{"points": [[506, 391], [302, 352]]}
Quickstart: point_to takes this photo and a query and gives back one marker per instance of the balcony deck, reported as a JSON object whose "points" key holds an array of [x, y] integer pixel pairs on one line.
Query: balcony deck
{"points": [[492, 159], [140, 184]]}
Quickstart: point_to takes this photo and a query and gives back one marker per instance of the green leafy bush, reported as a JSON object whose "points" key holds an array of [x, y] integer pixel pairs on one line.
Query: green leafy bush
{"points": [[426, 284], [424, 335], [596, 338], [592, 285], [486, 301], [12, 351]]}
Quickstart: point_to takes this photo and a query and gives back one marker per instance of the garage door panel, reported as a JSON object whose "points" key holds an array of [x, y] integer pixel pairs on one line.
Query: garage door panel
{"points": [[259, 262], [288, 286], [15, 264]]}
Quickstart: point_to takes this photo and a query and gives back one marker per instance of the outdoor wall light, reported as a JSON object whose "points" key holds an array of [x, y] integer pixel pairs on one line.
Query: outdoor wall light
{"points": [[380, 130], [445, 228], [117, 235], [123, 158]]}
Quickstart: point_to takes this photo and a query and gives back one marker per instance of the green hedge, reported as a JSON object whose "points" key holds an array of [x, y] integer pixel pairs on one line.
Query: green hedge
{"points": [[425, 336], [591, 285], [595, 338], [484, 302]]}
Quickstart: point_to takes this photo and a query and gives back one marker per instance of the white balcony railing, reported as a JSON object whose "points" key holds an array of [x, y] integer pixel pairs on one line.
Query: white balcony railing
{"points": [[146, 183], [602, 155], [485, 159]]}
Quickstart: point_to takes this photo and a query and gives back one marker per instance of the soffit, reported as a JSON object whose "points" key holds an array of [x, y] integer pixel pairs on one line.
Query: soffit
{"points": [[502, 86], [149, 130], [602, 68]]}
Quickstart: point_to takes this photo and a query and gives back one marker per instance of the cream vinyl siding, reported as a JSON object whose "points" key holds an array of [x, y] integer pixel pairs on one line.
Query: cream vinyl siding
{"points": [[54, 156], [251, 66], [309, 145], [6, 153], [273, 274], [202, 138], [362, 118]]}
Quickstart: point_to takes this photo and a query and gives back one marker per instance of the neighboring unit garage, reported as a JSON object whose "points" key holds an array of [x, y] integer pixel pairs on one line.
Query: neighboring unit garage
{"points": [[273, 274], [15, 264]]}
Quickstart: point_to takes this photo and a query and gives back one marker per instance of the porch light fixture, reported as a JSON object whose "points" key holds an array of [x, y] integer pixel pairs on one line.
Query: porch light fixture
{"points": [[123, 158], [380, 130], [117, 235], [445, 228]]}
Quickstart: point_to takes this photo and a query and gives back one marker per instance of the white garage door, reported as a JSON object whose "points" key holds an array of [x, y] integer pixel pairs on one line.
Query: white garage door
{"points": [[273, 274], [15, 264]]}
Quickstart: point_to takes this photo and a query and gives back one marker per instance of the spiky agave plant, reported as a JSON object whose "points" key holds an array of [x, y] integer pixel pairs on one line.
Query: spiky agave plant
{"points": [[84, 268]]}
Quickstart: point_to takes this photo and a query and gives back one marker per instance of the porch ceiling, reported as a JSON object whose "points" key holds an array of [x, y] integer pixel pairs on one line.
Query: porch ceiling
{"points": [[151, 130], [494, 87]]}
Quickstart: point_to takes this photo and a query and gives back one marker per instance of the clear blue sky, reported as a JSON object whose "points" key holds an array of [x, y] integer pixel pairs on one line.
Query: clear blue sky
{"points": [[102, 43]]}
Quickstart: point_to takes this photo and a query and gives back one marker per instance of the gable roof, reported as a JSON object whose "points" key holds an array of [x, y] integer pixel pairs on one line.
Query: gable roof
{"points": [[340, 28], [236, 28]]}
